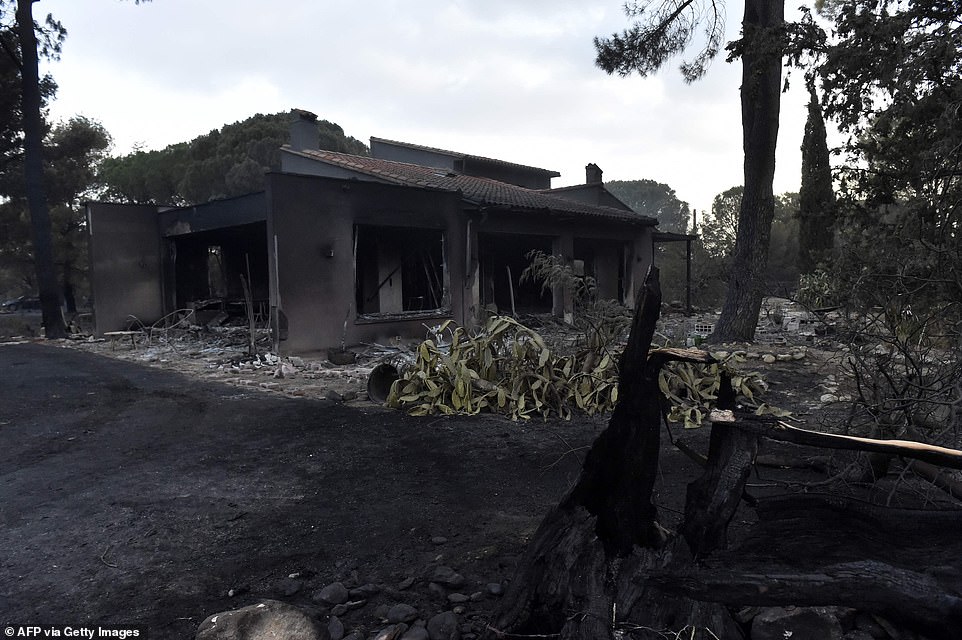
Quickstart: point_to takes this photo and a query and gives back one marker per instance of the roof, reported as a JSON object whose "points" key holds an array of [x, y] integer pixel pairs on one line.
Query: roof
{"points": [[477, 190], [467, 156]]}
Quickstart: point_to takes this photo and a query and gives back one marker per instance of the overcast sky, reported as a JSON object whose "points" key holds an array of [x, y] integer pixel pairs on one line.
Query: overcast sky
{"points": [[513, 80]]}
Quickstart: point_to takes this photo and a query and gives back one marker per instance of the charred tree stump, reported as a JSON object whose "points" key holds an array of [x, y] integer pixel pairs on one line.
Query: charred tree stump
{"points": [[579, 575]]}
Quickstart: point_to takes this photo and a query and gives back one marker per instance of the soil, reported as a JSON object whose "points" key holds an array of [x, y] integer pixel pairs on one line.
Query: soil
{"points": [[155, 486]]}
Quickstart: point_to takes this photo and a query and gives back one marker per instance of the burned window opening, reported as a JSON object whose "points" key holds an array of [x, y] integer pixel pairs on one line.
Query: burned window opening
{"points": [[208, 268], [399, 270], [502, 261], [605, 262]]}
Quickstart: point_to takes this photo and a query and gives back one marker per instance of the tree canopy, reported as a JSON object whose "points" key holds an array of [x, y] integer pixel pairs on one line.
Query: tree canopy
{"points": [[653, 199], [226, 162]]}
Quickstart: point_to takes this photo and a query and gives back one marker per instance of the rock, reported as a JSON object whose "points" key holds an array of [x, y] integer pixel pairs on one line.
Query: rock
{"points": [[332, 395], [365, 591], [459, 610], [405, 584], [354, 635], [347, 396], [447, 576], [438, 540], [339, 610], [394, 632], [444, 626], [783, 357], [335, 628], [828, 397], [495, 589], [798, 355], [797, 623], [416, 633], [268, 619], [768, 358], [296, 362], [402, 613], [288, 587], [477, 596], [457, 598], [334, 593]]}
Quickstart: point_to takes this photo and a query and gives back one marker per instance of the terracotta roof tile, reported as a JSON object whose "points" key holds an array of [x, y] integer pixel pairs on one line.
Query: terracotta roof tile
{"points": [[481, 191]]}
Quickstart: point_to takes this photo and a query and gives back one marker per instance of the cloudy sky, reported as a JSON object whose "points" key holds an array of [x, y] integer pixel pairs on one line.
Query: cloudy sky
{"points": [[509, 79]]}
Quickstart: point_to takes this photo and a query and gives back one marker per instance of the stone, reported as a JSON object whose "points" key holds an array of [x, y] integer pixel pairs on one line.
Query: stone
{"points": [[402, 613], [288, 587], [477, 596], [447, 577], [296, 362], [783, 357], [457, 598], [438, 540], [365, 591], [416, 633], [797, 623], [495, 589], [347, 396], [405, 584], [381, 611], [768, 358], [332, 395], [268, 619], [459, 610], [335, 628], [827, 398], [444, 626], [394, 632], [339, 610], [334, 593]]}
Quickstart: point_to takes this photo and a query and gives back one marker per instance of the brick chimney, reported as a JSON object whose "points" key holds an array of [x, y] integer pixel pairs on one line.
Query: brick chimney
{"points": [[303, 130], [593, 174]]}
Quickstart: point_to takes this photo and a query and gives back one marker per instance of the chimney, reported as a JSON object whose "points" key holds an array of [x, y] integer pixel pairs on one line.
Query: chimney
{"points": [[592, 174], [303, 130]]}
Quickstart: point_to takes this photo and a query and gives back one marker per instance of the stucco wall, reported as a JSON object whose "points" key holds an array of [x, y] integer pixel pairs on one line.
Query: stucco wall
{"points": [[125, 265], [311, 245]]}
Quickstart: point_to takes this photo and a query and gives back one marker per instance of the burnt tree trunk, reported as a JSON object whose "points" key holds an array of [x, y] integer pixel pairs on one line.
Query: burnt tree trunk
{"points": [[582, 573]]}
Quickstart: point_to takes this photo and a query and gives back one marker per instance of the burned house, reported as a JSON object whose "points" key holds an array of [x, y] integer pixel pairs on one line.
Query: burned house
{"points": [[347, 249]]}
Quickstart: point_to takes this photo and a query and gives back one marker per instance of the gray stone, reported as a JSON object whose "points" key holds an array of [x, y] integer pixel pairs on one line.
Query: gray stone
{"points": [[459, 610], [297, 362], [437, 589], [438, 540], [444, 626], [365, 591], [768, 358], [402, 613], [416, 633], [394, 632], [495, 588], [405, 584], [477, 596], [339, 610], [335, 628], [457, 598], [447, 576], [797, 623], [334, 593], [268, 619], [288, 587]]}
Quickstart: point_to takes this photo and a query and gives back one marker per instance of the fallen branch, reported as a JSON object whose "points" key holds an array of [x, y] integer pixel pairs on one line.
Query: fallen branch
{"points": [[779, 430]]}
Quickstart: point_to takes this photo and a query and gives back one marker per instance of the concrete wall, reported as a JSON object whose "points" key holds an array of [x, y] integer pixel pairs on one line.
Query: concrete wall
{"points": [[125, 265], [312, 263]]}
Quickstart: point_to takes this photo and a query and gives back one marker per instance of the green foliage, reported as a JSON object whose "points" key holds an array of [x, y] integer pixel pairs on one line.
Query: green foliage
{"points": [[653, 199], [816, 198], [505, 368], [226, 162], [662, 31], [602, 322], [692, 389], [712, 261]]}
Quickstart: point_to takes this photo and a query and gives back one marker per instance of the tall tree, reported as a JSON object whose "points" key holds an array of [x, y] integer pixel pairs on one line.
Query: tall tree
{"points": [[653, 199], [816, 213], [667, 31], [32, 102], [226, 162]]}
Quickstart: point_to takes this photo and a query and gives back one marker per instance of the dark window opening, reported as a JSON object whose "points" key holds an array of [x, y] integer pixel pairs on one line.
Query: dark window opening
{"points": [[503, 258], [399, 270], [209, 268], [604, 261]]}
